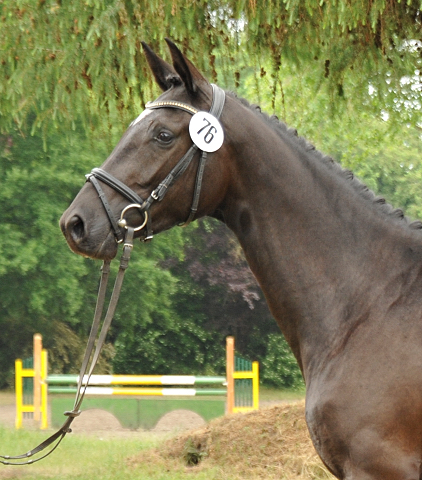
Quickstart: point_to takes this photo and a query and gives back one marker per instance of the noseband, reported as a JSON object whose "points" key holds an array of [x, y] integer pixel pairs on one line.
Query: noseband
{"points": [[159, 192]]}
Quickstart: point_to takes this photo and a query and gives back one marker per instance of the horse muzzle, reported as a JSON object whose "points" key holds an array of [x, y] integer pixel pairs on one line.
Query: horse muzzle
{"points": [[86, 239]]}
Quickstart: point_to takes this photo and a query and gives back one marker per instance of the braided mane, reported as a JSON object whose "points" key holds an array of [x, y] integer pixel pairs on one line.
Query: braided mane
{"points": [[284, 131]]}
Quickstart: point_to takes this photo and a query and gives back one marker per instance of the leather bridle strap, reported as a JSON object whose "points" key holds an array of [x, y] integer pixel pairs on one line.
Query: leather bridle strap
{"points": [[116, 229], [120, 187], [217, 105], [216, 109], [116, 184]]}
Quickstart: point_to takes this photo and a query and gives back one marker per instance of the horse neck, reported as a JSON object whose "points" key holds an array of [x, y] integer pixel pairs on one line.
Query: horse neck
{"points": [[320, 251]]}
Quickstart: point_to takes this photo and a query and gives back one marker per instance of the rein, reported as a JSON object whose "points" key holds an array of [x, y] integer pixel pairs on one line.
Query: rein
{"points": [[123, 233]]}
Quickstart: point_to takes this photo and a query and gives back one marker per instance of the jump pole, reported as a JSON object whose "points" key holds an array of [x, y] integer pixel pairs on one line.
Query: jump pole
{"points": [[37, 376], [19, 393], [229, 373]]}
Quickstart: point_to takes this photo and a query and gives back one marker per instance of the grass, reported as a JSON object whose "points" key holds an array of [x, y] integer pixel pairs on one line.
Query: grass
{"points": [[85, 457], [274, 395], [79, 457]]}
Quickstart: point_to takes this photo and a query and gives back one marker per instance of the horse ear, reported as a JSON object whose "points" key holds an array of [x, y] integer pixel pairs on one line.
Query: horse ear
{"points": [[190, 75], [164, 73]]}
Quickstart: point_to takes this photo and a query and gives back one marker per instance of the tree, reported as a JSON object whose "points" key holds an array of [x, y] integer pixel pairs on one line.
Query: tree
{"points": [[219, 293], [386, 155], [83, 60], [40, 284]]}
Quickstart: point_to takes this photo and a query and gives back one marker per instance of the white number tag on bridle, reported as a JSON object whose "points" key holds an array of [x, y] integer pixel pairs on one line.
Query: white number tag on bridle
{"points": [[206, 132]]}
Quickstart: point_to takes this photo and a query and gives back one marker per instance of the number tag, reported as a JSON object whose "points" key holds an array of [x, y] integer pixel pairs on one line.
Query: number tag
{"points": [[206, 132]]}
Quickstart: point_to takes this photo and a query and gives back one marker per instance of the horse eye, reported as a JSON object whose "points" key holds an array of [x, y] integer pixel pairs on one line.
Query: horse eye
{"points": [[164, 137]]}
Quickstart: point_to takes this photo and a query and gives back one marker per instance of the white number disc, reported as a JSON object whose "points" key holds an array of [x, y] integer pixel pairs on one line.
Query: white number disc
{"points": [[206, 132]]}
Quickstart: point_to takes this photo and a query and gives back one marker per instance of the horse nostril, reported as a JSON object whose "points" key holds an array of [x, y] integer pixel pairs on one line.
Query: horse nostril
{"points": [[75, 227]]}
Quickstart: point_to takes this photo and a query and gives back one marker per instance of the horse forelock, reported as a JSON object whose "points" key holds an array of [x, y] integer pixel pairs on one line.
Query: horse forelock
{"points": [[291, 134]]}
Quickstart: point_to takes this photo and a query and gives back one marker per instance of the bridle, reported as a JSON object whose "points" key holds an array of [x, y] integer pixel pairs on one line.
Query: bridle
{"points": [[123, 233], [159, 192]]}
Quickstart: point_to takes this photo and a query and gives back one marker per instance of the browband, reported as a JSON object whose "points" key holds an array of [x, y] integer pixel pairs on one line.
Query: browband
{"points": [[172, 104]]}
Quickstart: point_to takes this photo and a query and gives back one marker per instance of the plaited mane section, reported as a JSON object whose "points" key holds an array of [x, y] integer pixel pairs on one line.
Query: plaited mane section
{"points": [[284, 131]]}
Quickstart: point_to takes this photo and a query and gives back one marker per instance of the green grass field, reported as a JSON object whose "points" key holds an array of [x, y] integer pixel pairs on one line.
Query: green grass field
{"points": [[81, 457]]}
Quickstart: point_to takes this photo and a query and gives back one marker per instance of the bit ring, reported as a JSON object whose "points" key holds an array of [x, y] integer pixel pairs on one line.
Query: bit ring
{"points": [[122, 222]]}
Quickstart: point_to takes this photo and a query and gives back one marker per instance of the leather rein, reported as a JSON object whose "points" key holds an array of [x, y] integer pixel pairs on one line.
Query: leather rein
{"points": [[123, 234]]}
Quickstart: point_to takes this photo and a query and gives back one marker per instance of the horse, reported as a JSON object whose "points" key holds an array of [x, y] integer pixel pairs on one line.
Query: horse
{"points": [[341, 270]]}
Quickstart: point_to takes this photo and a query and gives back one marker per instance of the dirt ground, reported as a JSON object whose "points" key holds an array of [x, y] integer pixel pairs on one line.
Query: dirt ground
{"points": [[270, 443]]}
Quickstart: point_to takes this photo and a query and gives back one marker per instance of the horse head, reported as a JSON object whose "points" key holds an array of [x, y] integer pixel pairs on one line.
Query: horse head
{"points": [[156, 167]]}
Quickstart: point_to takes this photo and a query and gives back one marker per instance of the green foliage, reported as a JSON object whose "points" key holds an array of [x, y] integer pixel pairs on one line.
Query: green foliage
{"points": [[39, 281], [66, 349], [193, 453], [164, 342], [279, 367], [82, 59], [384, 154]]}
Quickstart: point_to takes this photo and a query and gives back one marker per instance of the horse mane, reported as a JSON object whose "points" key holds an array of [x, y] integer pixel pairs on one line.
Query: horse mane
{"points": [[291, 134]]}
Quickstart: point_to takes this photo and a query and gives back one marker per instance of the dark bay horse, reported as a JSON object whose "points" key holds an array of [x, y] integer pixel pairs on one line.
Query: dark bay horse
{"points": [[340, 269]]}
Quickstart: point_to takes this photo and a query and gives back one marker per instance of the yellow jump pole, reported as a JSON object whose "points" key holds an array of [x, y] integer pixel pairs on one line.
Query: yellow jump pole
{"points": [[229, 373], [44, 389], [37, 376], [19, 393], [255, 385]]}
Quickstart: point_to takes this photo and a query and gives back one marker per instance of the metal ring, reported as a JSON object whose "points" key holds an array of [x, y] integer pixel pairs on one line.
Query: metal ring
{"points": [[122, 221]]}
